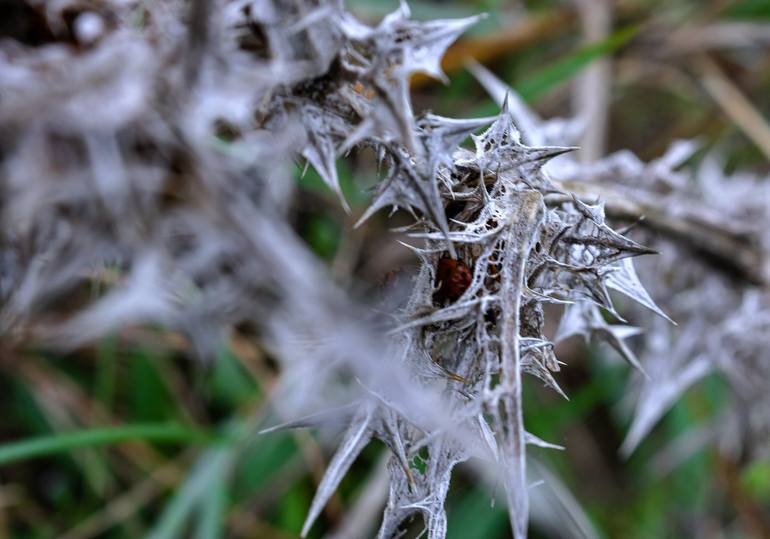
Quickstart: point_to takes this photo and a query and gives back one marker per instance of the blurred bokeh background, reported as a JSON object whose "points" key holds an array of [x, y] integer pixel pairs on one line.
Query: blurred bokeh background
{"points": [[133, 437]]}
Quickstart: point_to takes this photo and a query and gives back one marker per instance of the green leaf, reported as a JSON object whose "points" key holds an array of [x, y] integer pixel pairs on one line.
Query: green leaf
{"points": [[64, 442], [149, 398], [294, 507], [473, 517], [229, 383], [749, 10], [569, 66], [22, 408], [106, 372], [756, 480], [355, 190], [323, 235], [261, 461]]}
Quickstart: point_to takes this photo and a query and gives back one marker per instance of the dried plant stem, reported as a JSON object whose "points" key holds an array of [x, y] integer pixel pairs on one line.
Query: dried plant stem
{"points": [[753, 516], [127, 504], [592, 88], [735, 104], [730, 251], [523, 229]]}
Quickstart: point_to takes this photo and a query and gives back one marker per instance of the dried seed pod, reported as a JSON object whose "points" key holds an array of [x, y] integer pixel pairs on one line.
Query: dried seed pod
{"points": [[453, 277]]}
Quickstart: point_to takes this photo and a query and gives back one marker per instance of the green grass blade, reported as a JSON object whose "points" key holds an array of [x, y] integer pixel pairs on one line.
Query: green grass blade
{"points": [[212, 510], [569, 66], [63, 442], [749, 10], [212, 466]]}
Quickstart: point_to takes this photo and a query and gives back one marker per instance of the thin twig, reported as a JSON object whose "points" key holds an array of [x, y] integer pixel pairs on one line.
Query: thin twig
{"points": [[127, 504], [735, 104], [592, 87]]}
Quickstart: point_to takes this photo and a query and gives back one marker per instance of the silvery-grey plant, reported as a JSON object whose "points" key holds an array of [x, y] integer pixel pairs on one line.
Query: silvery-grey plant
{"points": [[155, 141], [712, 273]]}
